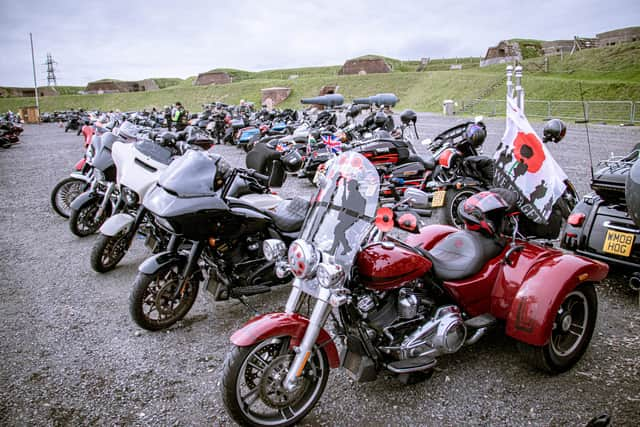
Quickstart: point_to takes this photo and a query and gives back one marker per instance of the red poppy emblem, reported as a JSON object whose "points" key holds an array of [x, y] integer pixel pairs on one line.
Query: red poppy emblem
{"points": [[408, 222], [384, 219], [528, 150]]}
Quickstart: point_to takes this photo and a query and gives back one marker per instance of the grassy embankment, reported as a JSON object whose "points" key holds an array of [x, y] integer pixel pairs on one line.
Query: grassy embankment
{"points": [[605, 74]]}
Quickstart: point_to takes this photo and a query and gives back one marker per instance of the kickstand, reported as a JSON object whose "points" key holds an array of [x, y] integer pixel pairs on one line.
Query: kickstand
{"points": [[243, 300]]}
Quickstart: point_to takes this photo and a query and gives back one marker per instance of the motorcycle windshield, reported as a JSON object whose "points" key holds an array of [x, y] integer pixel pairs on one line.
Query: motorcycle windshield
{"points": [[154, 151], [191, 175], [343, 208]]}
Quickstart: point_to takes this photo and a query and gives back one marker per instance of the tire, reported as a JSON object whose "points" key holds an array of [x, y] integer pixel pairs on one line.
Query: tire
{"points": [[149, 288], [240, 373], [448, 214], [82, 222], [64, 193], [571, 333], [107, 251]]}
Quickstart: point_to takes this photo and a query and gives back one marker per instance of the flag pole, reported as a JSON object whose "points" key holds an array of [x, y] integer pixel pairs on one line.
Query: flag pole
{"points": [[35, 83]]}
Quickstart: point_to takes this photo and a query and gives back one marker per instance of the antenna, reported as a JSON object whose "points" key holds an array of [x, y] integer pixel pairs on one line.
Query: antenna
{"points": [[586, 127], [51, 74]]}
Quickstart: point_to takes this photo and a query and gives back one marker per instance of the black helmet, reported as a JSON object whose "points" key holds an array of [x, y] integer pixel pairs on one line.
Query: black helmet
{"points": [[484, 212], [292, 161], [476, 133], [168, 139], [408, 116], [554, 130], [380, 119]]}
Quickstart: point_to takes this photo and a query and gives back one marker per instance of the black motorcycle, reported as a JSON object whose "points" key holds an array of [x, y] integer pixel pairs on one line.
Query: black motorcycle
{"points": [[605, 224], [198, 200]]}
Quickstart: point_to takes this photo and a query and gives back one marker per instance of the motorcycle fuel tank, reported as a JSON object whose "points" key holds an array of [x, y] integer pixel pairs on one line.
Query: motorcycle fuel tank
{"points": [[384, 266]]}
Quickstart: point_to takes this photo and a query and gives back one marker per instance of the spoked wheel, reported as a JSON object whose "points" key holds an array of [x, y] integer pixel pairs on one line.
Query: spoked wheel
{"points": [[153, 302], [571, 333], [252, 384], [109, 250], [83, 221], [64, 193]]}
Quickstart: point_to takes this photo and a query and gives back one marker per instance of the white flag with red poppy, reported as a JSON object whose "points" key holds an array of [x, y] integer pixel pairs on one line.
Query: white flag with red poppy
{"points": [[524, 164]]}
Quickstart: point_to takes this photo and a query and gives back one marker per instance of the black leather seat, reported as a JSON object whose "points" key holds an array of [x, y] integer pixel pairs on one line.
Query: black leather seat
{"points": [[462, 254], [290, 214]]}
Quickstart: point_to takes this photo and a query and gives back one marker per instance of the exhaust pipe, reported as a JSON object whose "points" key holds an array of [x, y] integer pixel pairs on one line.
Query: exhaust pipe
{"points": [[634, 282]]}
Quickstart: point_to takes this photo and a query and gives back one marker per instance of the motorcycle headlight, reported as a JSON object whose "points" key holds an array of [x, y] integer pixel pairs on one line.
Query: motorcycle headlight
{"points": [[303, 258], [329, 275], [273, 249]]}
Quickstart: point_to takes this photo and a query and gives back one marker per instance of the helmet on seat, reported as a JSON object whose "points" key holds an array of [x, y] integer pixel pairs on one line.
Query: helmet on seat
{"points": [[484, 212], [554, 130], [476, 133], [380, 119]]}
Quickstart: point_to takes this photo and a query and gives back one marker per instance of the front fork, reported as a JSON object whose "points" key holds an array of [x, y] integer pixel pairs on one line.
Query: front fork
{"points": [[319, 317], [106, 199]]}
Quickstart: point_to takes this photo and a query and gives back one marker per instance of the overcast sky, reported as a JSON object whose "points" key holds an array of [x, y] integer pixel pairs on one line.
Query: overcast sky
{"points": [[132, 40]]}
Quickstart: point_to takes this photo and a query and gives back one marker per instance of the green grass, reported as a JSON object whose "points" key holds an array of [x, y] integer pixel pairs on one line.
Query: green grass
{"points": [[606, 74]]}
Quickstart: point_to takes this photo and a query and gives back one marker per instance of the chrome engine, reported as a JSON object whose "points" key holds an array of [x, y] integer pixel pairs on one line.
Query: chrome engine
{"points": [[412, 325]]}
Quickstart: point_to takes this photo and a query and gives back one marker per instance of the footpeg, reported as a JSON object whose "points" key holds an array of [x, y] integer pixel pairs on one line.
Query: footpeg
{"points": [[482, 321], [415, 364], [245, 291]]}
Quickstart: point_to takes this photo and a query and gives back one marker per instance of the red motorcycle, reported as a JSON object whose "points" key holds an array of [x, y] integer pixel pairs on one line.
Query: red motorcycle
{"points": [[399, 304]]}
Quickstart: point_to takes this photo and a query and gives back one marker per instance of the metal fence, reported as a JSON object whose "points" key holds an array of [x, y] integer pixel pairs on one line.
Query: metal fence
{"points": [[612, 112]]}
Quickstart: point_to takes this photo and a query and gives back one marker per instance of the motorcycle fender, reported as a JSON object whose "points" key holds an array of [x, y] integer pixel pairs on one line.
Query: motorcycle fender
{"points": [[283, 324], [161, 260], [116, 223], [80, 176], [547, 283], [82, 199]]}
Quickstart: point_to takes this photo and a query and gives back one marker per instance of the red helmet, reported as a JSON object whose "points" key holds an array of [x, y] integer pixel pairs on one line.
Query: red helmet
{"points": [[484, 212]]}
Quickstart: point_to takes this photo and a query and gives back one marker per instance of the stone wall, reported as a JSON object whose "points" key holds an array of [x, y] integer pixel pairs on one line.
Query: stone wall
{"points": [[214, 77], [504, 52], [621, 35], [365, 66], [274, 95], [25, 92], [557, 47]]}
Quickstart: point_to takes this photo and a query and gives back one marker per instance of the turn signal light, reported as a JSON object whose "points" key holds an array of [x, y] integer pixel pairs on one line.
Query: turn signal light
{"points": [[576, 219]]}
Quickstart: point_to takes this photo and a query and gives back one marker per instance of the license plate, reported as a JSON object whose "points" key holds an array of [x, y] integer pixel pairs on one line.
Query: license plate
{"points": [[438, 199], [618, 243]]}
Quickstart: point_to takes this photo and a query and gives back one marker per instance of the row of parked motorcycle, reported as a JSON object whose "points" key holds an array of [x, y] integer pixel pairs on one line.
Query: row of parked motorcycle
{"points": [[395, 294], [10, 130]]}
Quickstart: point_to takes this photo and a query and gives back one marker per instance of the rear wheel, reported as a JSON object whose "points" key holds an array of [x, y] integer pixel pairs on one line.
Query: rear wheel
{"points": [[83, 221], [109, 250], [64, 193], [571, 333], [153, 302], [252, 389], [448, 214]]}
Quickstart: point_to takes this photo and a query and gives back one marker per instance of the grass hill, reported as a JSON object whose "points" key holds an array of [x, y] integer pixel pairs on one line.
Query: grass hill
{"points": [[611, 73]]}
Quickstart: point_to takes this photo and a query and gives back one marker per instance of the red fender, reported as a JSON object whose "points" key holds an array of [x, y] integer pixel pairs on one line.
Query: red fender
{"points": [[545, 286], [80, 164], [272, 325]]}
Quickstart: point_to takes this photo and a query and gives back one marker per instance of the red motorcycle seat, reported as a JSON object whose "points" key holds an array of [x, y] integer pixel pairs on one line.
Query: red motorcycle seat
{"points": [[462, 254]]}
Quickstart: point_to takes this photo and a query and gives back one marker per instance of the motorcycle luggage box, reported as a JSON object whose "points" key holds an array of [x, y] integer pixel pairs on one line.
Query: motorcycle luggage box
{"points": [[237, 123], [413, 170]]}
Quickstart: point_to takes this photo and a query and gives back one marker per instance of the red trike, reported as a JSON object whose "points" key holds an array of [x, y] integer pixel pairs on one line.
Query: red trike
{"points": [[399, 304]]}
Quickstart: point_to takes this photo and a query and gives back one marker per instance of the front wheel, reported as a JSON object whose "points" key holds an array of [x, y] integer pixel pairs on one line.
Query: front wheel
{"points": [[109, 250], [252, 389], [64, 193], [571, 333], [83, 221], [153, 302]]}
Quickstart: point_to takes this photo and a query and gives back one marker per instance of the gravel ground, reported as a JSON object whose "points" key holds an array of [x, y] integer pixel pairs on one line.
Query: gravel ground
{"points": [[72, 356]]}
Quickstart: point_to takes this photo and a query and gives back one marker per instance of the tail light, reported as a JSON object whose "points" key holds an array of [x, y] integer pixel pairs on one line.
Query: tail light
{"points": [[576, 219]]}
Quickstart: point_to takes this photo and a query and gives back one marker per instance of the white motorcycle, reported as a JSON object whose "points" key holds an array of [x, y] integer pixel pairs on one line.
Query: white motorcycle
{"points": [[139, 166]]}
